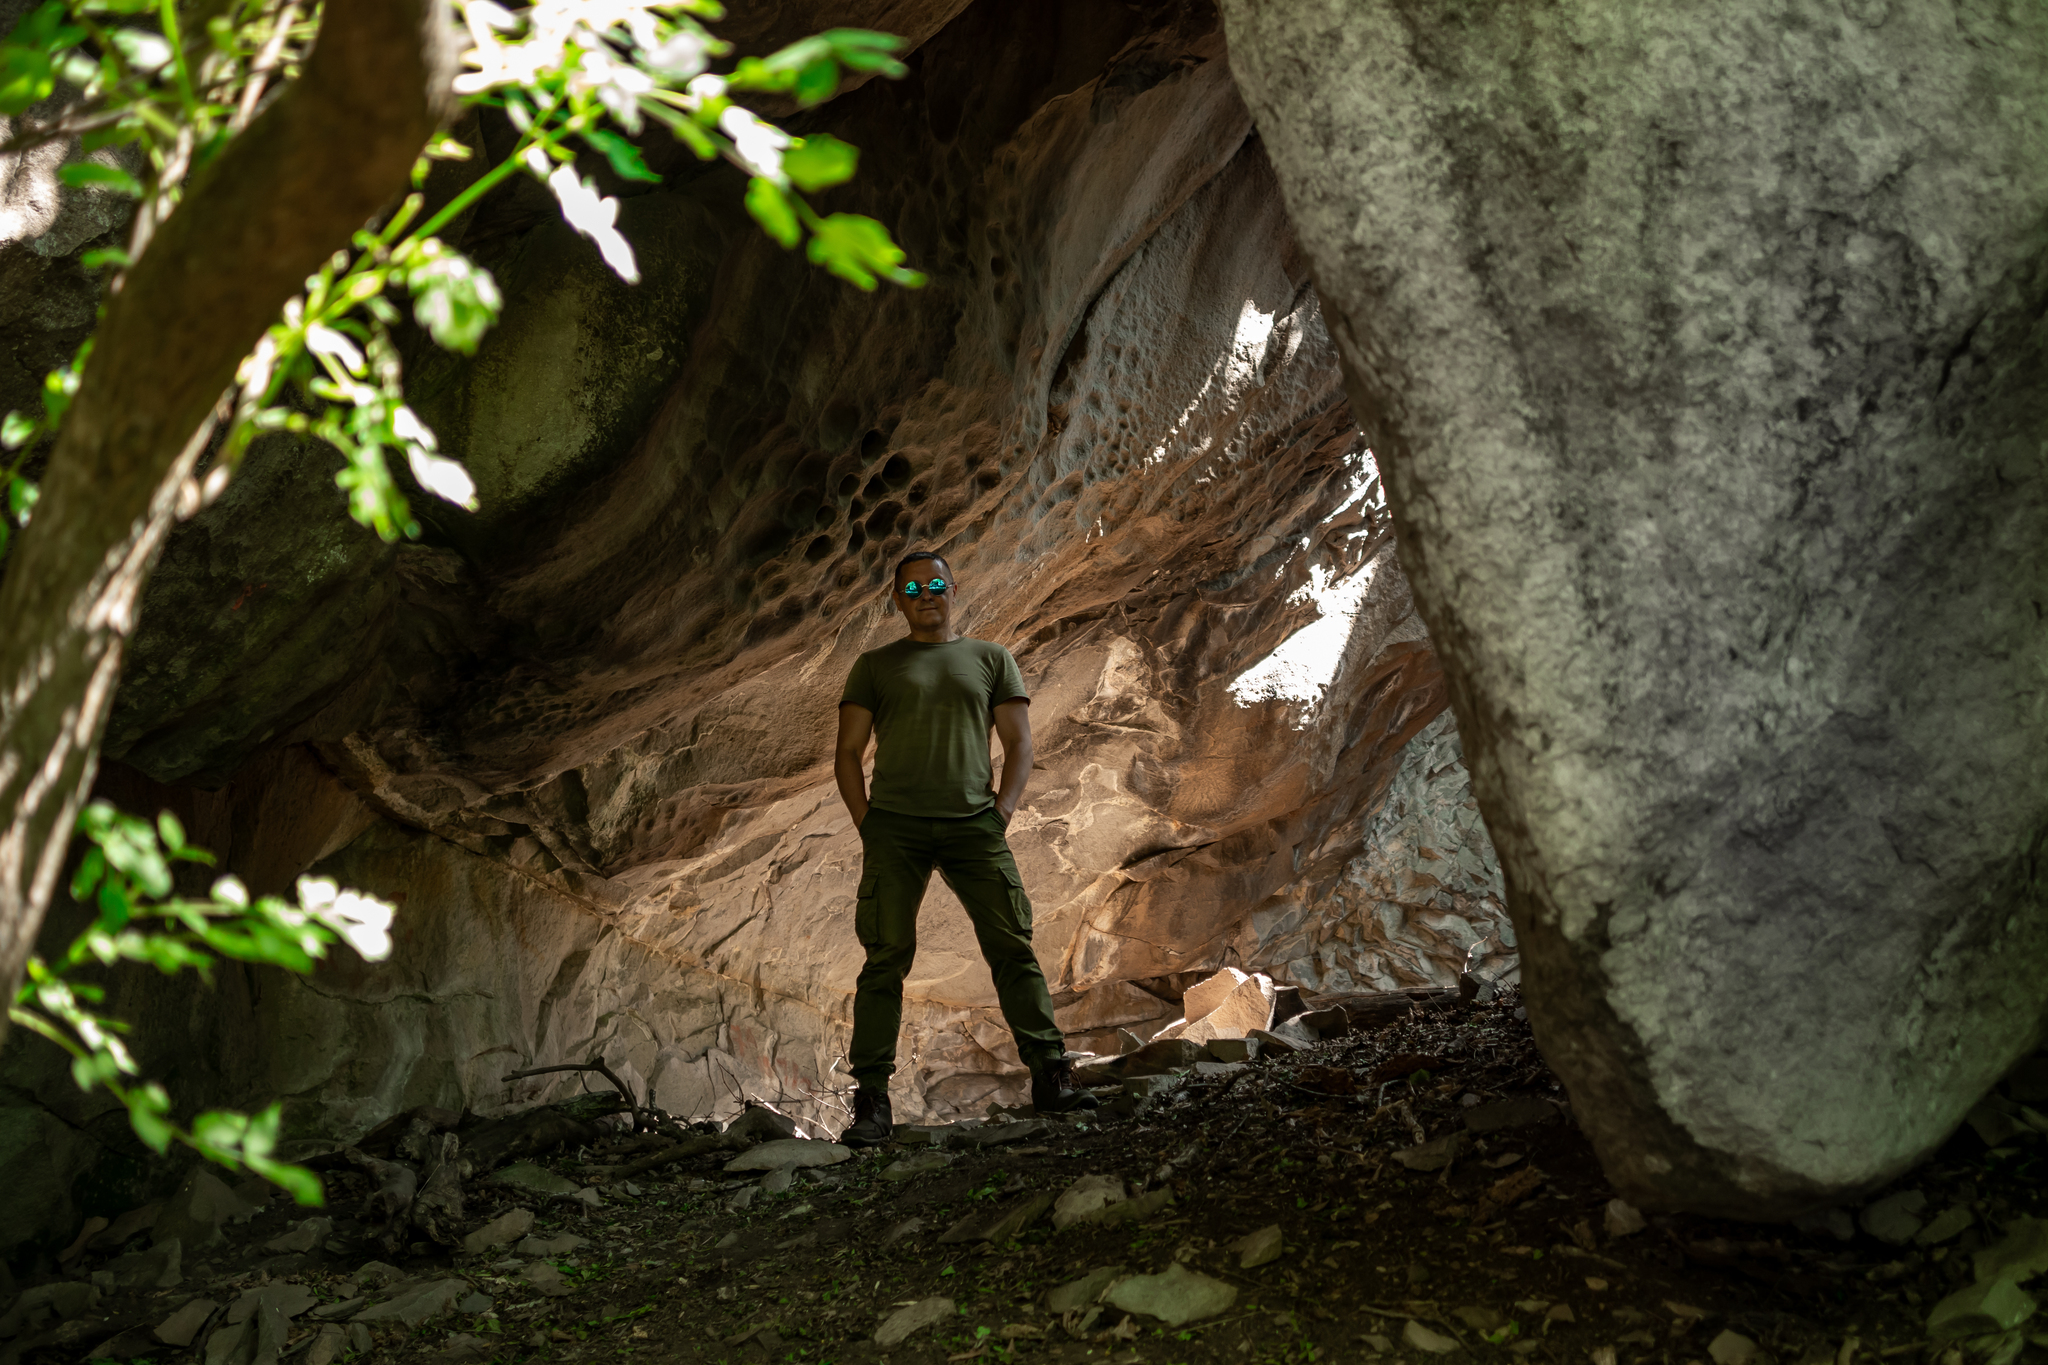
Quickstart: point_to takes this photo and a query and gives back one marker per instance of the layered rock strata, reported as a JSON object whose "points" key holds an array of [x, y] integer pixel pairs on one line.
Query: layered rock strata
{"points": [[582, 738], [1704, 351]]}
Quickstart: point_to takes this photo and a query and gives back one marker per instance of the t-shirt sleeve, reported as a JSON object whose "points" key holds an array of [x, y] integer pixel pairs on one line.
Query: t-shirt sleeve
{"points": [[1009, 683], [860, 686]]}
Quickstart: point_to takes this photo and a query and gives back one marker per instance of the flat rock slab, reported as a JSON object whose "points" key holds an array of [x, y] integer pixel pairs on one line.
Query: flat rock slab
{"points": [[1000, 1134], [1980, 1309], [524, 1175], [417, 1304], [1895, 1218], [998, 1225], [288, 1299], [1433, 1155], [900, 1325], [182, 1326], [1084, 1291], [2021, 1254], [158, 1268], [1129, 1211], [503, 1230], [1086, 1197], [546, 1279], [790, 1152], [307, 1236], [1161, 1057], [1270, 1042], [561, 1244], [1176, 1297], [763, 1125], [911, 1167]]}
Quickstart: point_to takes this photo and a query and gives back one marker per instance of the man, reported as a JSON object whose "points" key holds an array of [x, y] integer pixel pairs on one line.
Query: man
{"points": [[930, 700]]}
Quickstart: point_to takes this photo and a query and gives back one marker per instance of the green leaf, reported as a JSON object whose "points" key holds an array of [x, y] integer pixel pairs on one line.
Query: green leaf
{"points": [[815, 81], [103, 256], [17, 430], [25, 78], [819, 162], [623, 155], [21, 497], [683, 126], [80, 174], [772, 210], [88, 875], [859, 249], [147, 1105], [863, 49], [171, 831], [454, 298], [301, 1184]]}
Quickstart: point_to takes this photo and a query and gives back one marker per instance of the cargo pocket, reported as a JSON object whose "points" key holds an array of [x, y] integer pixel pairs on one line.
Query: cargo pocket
{"points": [[864, 912], [1020, 904]]}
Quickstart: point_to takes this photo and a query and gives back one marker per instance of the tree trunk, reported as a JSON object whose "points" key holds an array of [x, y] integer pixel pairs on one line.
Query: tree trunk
{"points": [[329, 151]]}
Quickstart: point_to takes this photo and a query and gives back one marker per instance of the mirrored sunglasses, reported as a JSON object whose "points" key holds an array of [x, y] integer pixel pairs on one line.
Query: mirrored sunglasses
{"points": [[916, 589]]}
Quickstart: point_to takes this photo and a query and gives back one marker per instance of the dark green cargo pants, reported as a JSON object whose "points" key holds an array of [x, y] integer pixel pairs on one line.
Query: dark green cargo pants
{"points": [[899, 853]]}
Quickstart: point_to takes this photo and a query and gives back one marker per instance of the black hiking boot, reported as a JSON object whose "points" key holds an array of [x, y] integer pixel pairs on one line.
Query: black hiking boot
{"points": [[871, 1126], [1053, 1092]]}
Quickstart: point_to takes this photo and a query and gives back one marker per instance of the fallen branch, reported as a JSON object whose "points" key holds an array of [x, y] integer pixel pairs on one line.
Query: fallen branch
{"points": [[682, 1151], [597, 1064]]}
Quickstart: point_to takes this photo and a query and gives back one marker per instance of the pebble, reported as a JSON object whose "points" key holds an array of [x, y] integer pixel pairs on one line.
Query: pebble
{"points": [[1258, 1248], [1421, 1338], [778, 1180], [1895, 1218], [1433, 1155], [1623, 1219], [900, 1325], [1731, 1348]]}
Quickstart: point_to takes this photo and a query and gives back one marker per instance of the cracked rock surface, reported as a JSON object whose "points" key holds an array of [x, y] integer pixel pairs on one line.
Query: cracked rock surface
{"points": [[1703, 351]]}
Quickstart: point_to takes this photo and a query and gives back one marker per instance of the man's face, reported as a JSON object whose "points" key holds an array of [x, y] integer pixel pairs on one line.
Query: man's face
{"points": [[927, 610]]}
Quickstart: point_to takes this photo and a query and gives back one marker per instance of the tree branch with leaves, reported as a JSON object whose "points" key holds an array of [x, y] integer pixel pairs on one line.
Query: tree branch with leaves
{"points": [[271, 254]]}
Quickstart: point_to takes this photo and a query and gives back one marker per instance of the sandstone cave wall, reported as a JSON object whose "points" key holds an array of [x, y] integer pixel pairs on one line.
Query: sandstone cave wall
{"points": [[583, 736]]}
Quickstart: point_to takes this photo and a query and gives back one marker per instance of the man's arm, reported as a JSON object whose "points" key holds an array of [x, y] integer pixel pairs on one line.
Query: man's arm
{"points": [[856, 727], [1013, 728]]}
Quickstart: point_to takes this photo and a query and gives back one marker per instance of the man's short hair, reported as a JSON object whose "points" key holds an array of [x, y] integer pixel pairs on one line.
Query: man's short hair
{"points": [[915, 555]]}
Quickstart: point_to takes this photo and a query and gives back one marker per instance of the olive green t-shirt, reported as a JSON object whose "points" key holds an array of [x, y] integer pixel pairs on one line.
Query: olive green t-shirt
{"points": [[933, 707]]}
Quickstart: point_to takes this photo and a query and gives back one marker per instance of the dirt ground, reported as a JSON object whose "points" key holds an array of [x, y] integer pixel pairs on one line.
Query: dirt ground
{"points": [[1505, 1252]]}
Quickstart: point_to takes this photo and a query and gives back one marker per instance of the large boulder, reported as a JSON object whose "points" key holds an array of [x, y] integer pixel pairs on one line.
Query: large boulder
{"points": [[1703, 347]]}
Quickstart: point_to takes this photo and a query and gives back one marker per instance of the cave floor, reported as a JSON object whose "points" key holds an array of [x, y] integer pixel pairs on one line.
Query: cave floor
{"points": [[1507, 1252]]}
